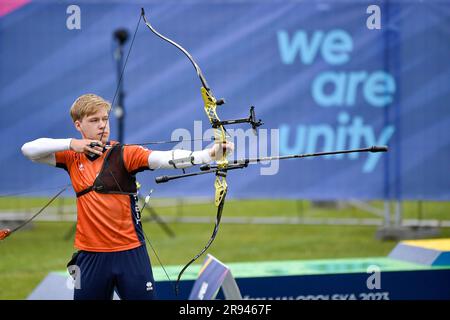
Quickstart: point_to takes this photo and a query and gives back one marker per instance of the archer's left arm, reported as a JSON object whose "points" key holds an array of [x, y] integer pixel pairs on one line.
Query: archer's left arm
{"points": [[179, 159]]}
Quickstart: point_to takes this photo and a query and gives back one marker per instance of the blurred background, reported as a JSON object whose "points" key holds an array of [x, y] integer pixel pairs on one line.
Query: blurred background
{"points": [[322, 75]]}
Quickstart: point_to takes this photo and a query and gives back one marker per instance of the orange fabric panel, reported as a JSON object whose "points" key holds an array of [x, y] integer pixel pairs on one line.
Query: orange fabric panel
{"points": [[135, 157], [105, 221]]}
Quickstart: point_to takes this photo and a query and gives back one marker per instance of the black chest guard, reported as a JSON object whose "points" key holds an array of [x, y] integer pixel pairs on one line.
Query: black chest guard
{"points": [[113, 177]]}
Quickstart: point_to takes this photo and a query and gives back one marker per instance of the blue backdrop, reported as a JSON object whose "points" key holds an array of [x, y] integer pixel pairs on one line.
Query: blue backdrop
{"points": [[313, 70]]}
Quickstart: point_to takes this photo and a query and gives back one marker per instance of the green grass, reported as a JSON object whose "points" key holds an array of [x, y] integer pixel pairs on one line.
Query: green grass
{"points": [[307, 209], [27, 256], [252, 208]]}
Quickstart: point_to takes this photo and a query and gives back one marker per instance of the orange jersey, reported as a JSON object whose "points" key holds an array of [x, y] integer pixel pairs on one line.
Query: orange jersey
{"points": [[106, 222]]}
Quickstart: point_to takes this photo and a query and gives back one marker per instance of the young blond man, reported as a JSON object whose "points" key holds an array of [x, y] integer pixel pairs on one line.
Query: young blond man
{"points": [[111, 244]]}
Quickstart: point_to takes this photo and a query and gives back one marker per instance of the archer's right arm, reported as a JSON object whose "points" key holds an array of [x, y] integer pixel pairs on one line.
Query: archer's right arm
{"points": [[43, 150]]}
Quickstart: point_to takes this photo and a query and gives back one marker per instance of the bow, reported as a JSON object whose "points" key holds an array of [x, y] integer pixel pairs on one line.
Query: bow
{"points": [[220, 137]]}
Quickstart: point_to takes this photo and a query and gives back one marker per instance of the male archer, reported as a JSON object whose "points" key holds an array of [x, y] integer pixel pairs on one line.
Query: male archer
{"points": [[109, 237]]}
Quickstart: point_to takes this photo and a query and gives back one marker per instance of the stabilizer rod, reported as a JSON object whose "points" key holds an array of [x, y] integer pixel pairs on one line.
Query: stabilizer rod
{"points": [[243, 163]]}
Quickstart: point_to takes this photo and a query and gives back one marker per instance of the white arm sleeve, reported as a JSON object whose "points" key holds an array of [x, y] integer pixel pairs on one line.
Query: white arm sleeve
{"points": [[43, 150], [177, 159]]}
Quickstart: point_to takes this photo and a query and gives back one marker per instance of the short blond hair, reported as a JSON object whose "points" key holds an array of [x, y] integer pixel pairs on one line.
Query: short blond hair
{"points": [[87, 105]]}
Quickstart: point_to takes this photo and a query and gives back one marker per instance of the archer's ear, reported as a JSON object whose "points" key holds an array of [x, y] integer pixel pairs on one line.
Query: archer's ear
{"points": [[77, 125]]}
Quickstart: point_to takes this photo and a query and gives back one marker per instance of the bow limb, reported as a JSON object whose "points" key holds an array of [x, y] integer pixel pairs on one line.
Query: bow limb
{"points": [[220, 183], [208, 244], [186, 53], [210, 106]]}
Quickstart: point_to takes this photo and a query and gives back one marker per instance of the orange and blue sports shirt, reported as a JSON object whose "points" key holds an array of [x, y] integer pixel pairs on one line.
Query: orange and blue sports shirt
{"points": [[105, 222]]}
